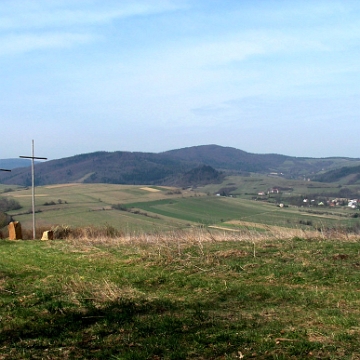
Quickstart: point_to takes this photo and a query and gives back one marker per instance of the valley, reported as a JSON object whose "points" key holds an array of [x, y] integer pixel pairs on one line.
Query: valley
{"points": [[237, 202]]}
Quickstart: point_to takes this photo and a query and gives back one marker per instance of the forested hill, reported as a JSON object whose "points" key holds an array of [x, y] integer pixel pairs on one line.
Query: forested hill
{"points": [[347, 175], [14, 163], [176, 167], [227, 158]]}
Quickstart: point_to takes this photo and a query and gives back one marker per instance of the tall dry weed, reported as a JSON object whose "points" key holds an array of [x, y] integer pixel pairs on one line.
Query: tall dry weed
{"points": [[177, 239], [80, 291]]}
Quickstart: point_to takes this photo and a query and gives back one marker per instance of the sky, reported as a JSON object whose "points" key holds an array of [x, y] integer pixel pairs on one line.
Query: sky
{"points": [[263, 76]]}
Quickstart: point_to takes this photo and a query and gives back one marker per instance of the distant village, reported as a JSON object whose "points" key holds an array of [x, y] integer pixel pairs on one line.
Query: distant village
{"points": [[283, 198], [351, 203]]}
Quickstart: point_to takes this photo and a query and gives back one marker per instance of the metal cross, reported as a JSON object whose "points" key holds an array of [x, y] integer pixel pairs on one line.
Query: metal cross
{"points": [[32, 157]]}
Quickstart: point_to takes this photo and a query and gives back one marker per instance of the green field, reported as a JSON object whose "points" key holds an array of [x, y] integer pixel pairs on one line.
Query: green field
{"points": [[190, 296], [84, 205], [217, 210], [162, 208]]}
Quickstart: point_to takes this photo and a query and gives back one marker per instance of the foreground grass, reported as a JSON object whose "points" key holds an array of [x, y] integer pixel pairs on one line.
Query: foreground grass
{"points": [[180, 296]]}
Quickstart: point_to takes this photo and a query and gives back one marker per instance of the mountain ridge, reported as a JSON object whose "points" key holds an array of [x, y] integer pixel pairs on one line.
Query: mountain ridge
{"points": [[164, 168], [14, 163]]}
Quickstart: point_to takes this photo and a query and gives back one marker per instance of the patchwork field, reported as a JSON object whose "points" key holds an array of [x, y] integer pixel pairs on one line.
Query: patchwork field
{"points": [[145, 208]]}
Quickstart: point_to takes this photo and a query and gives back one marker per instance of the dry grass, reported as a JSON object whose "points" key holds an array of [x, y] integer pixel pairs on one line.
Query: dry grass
{"points": [[149, 189], [196, 236], [60, 186], [77, 290]]}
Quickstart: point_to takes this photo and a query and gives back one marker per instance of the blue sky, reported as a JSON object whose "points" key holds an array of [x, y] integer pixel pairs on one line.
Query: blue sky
{"points": [[259, 75]]}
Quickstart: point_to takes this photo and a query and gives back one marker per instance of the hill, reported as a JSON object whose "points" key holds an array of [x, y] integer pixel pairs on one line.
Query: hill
{"points": [[13, 163], [227, 158], [201, 175], [231, 159], [100, 167], [170, 167], [347, 175]]}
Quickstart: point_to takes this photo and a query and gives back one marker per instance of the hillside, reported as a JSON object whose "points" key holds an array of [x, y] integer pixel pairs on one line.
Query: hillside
{"points": [[168, 168], [13, 163], [231, 159], [227, 158], [348, 175], [101, 167]]}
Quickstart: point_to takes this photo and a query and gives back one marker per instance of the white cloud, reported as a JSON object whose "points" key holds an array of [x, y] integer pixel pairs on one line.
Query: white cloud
{"points": [[17, 15], [36, 25], [23, 43]]}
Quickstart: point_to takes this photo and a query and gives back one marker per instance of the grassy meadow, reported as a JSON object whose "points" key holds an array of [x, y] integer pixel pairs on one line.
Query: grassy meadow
{"points": [[181, 295]]}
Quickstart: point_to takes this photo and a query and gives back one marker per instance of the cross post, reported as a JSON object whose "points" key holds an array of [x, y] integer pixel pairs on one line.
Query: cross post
{"points": [[33, 157]]}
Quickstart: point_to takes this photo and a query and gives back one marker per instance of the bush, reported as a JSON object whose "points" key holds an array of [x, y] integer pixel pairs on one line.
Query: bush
{"points": [[305, 222], [8, 204], [120, 207], [8, 190], [50, 203], [4, 219]]}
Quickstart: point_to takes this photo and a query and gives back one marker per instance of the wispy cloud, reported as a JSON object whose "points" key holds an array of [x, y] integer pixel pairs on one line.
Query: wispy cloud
{"points": [[37, 25], [23, 14], [23, 43]]}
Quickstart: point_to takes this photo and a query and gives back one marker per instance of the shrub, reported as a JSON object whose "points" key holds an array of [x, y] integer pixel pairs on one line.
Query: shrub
{"points": [[8, 204], [305, 222], [120, 207], [4, 219]]}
